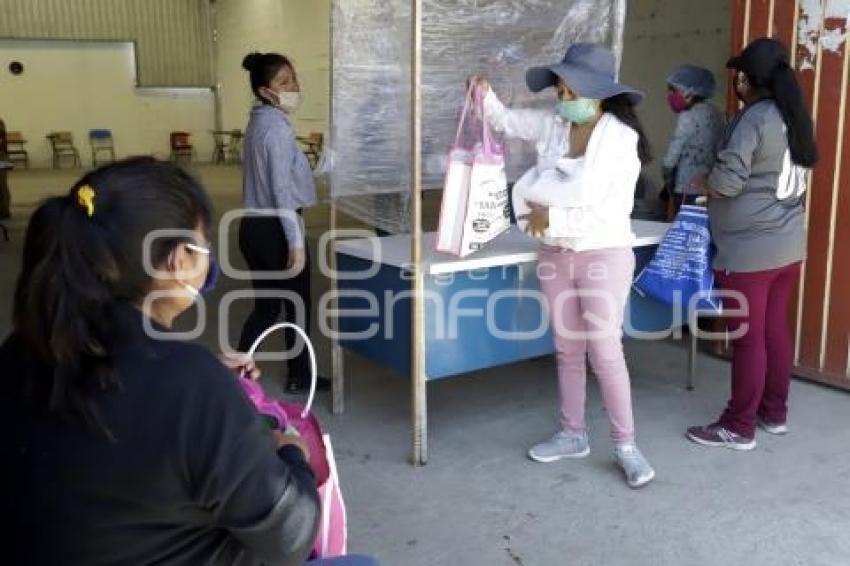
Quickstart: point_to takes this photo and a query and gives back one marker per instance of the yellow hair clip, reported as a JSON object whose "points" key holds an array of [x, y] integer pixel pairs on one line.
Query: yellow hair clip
{"points": [[85, 196]]}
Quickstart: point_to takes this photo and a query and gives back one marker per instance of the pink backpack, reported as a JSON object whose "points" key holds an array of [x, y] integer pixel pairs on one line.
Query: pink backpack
{"points": [[332, 537]]}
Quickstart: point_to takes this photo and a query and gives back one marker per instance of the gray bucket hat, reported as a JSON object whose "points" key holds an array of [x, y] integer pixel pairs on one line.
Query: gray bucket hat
{"points": [[693, 80], [588, 69]]}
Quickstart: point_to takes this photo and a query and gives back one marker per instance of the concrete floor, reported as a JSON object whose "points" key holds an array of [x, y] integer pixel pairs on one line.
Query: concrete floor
{"points": [[481, 502]]}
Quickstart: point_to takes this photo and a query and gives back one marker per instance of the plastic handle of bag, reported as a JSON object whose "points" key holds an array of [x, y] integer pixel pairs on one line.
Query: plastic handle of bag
{"points": [[486, 135], [327, 502], [466, 107], [310, 350]]}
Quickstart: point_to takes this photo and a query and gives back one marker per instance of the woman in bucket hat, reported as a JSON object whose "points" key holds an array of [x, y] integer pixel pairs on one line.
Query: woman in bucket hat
{"points": [[699, 125], [756, 205], [577, 200]]}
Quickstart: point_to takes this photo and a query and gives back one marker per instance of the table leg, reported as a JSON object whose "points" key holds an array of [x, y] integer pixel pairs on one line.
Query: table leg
{"points": [[692, 360], [337, 378]]}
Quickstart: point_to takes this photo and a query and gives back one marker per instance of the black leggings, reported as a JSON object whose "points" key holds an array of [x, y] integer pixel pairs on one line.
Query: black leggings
{"points": [[263, 245]]}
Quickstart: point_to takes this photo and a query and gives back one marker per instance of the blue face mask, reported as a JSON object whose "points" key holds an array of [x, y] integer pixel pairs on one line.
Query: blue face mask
{"points": [[212, 273], [578, 111]]}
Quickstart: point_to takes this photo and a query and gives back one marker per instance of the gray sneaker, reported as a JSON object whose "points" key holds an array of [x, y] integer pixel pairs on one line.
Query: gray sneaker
{"points": [[563, 444], [637, 469]]}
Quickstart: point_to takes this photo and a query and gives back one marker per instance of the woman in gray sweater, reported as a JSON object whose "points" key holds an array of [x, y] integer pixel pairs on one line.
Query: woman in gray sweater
{"points": [[756, 206]]}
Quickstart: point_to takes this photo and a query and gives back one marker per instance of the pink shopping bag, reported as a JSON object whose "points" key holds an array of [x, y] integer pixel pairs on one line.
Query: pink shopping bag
{"points": [[331, 539], [475, 206]]}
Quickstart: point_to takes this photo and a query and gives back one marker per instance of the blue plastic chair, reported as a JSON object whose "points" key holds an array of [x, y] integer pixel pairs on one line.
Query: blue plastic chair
{"points": [[101, 141]]}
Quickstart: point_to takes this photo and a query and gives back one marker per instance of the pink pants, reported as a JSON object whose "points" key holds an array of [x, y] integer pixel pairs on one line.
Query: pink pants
{"points": [[587, 293]]}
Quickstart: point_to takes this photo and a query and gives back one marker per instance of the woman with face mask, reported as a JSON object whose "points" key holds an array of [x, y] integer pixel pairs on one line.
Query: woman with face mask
{"points": [[277, 185], [577, 201], [123, 444], [693, 146], [756, 206]]}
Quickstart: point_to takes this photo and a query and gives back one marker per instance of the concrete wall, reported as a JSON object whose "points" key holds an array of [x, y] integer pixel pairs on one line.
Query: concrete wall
{"points": [[79, 86], [172, 37], [661, 34], [297, 28]]}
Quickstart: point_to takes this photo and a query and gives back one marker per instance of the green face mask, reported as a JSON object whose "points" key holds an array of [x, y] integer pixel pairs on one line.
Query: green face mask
{"points": [[579, 111]]}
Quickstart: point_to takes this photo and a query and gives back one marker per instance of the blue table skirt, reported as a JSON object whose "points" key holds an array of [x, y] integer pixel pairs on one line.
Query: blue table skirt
{"points": [[379, 327]]}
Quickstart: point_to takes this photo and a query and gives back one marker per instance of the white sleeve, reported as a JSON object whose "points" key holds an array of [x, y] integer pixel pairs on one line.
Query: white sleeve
{"points": [[529, 125]]}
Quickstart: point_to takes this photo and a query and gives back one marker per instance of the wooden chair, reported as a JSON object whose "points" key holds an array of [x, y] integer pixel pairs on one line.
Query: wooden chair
{"points": [[63, 146], [312, 147], [101, 141], [181, 146], [220, 145], [15, 151], [234, 149]]}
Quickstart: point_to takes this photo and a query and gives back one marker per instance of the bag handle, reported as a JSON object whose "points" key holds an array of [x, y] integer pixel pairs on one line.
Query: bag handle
{"points": [[327, 500], [486, 134], [309, 345], [467, 101]]}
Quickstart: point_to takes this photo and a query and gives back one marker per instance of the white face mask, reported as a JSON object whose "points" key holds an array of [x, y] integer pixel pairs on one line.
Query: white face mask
{"points": [[289, 101], [211, 277]]}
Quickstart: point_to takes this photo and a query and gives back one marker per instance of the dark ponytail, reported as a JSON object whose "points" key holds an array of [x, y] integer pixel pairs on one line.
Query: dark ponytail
{"points": [[262, 68], [61, 306], [623, 108], [789, 99], [766, 64], [81, 264]]}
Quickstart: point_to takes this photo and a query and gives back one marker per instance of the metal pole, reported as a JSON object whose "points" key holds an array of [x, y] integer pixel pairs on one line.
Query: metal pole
{"points": [[417, 365], [212, 14], [337, 357], [620, 10]]}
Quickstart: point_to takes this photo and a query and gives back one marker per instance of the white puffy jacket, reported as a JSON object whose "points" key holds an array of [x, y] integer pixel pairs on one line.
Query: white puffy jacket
{"points": [[590, 199]]}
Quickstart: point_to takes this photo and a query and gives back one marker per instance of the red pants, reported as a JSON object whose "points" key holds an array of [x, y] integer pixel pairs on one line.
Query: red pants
{"points": [[762, 357]]}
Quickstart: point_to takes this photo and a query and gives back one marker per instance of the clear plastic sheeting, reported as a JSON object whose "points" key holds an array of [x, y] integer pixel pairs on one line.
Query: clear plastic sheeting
{"points": [[498, 39]]}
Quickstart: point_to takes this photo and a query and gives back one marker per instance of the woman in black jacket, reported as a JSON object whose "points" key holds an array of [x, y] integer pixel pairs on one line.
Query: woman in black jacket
{"points": [[121, 444]]}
